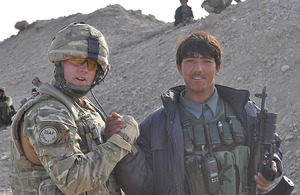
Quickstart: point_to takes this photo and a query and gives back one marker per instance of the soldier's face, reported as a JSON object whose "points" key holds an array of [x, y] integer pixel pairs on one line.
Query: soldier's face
{"points": [[78, 75]]}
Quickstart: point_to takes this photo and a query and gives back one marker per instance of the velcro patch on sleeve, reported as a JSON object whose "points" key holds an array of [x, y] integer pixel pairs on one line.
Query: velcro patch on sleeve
{"points": [[48, 135], [64, 136]]}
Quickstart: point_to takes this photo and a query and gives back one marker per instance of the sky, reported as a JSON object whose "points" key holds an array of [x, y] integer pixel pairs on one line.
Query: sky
{"points": [[13, 11]]}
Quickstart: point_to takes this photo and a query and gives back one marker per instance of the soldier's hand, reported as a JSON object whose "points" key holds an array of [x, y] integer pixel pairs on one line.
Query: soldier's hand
{"points": [[113, 124], [125, 137], [263, 184]]}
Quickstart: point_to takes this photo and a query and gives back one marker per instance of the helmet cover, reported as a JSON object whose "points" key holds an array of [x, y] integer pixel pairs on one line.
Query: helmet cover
{"points": [[79, 40]]}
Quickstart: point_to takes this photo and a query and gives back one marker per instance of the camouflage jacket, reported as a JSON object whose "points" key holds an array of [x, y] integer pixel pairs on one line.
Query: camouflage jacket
{"points": [[5, 102], [219, 3], [7, 110], [65, 136]]}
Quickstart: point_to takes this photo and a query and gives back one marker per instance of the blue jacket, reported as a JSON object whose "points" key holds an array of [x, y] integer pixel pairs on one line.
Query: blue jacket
{"points": [[158, 166]]}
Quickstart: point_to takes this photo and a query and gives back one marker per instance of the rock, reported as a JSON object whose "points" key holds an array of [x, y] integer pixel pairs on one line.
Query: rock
{"points": [[272, 35], [22, 25], [240, 79], [289, 137], [285, 68]]}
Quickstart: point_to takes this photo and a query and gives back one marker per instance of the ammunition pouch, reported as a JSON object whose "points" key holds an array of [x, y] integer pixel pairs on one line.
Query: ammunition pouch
{"points": [[227, 137]]}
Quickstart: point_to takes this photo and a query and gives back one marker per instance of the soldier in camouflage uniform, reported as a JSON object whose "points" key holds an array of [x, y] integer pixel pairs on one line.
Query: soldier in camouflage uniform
{"points": [[7, 109], [60, 142], [198, 142], [216, 6]]}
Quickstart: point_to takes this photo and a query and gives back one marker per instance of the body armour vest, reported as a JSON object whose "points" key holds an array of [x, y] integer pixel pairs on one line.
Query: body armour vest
{"points": [[216, 158], [28, 178]]}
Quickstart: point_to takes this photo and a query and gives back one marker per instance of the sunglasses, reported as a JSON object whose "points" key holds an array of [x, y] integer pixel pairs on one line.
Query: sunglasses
{"points": [[91, 64]]}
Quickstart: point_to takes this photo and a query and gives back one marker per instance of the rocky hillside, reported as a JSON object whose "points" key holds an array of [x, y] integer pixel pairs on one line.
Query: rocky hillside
{"points": [[260, 42]]}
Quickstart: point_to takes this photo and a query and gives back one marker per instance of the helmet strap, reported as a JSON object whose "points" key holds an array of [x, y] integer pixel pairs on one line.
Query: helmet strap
{"points": [[78, 91], [68, 88], [99, 77]]}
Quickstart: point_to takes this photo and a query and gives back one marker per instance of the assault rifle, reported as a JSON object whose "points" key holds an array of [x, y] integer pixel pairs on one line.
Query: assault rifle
{"points": [[263, 149]]}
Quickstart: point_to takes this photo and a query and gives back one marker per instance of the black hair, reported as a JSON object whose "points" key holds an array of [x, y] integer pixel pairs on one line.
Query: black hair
{"points": [[199, 43]]}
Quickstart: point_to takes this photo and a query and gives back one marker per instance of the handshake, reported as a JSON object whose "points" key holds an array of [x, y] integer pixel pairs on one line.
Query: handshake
{"points": [[125, 127]]}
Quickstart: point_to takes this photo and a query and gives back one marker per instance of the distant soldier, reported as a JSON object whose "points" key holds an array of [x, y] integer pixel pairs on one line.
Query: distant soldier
{"points": [[183, 15], [6, 109], [61, 144], [216, 6]]}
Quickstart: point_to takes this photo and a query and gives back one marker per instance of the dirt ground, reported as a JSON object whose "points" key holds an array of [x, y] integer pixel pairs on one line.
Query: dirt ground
{"points": [[260, 42]]}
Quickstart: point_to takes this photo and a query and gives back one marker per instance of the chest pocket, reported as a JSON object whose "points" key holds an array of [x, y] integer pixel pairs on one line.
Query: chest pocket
{"points": [[227, 138], [232, 170], [225, 129], [90, 125]]}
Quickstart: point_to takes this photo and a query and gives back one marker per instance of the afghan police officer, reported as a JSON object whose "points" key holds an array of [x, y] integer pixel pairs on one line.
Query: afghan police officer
{"points": [[58, 145], [201, 135]]}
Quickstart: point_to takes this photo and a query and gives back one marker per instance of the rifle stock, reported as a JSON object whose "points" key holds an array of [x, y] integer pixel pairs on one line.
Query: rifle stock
{"points": [[263, 149]]}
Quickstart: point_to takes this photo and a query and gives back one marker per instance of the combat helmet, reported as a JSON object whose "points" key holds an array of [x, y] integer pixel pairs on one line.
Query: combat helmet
{"points": [[79, 40]]}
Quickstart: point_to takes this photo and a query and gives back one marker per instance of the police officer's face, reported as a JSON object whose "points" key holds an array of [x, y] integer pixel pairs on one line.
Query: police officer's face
{"points": [[78, 75], [199, 75]]}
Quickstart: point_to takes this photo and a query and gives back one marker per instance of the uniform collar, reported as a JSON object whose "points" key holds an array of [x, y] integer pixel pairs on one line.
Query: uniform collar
{"points": [[196, 108]]}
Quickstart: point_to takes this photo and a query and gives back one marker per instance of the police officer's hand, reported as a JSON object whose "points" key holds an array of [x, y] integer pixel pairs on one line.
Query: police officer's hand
{"points": [[263, 184], [113, 124]]}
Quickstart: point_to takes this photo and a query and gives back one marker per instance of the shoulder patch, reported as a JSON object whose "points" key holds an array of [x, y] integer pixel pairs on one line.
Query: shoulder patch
{"points": [[48, 135], [63, 136]]}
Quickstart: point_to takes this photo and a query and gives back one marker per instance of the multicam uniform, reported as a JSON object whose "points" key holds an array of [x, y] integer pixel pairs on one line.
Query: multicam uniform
{"points": [[66, 139], [215, 6], [56, 135], [6, 110]]}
